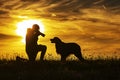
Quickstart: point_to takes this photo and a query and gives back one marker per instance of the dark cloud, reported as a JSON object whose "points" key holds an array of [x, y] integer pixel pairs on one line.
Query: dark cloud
{"points": [[100, 21], [101, 40], [5, 37], [60, 8], [70, 6], [110, 3], [3, 12], [30, 0]]}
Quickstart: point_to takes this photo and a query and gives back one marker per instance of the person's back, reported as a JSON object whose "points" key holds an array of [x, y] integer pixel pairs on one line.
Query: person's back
{"points": [[29, 37], [30, 43]]}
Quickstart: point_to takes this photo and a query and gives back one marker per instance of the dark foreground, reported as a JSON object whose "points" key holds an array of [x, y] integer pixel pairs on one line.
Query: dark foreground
{"points": [[56, 70]]}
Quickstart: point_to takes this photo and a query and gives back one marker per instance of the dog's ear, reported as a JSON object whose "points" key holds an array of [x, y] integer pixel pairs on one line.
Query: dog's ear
{"points": [[56, 38]]}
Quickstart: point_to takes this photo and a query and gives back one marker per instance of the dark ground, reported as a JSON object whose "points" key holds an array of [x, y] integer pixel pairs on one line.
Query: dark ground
{"points": [[57, 70]]}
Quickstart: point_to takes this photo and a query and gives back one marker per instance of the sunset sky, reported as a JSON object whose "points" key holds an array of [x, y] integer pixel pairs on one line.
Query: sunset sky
{"points": [[93, 24]]}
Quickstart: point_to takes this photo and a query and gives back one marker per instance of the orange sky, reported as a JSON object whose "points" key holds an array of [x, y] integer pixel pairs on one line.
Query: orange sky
{"points": [[95, 25]]}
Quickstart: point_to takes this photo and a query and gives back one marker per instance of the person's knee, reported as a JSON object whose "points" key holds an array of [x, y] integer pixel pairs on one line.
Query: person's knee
{"points": [[44, 48]]}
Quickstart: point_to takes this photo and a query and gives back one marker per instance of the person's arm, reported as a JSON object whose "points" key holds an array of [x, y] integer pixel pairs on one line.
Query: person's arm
{"points": [[40, 33]]}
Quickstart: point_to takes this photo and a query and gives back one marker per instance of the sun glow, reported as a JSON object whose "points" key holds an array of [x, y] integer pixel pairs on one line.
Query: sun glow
{"points": [[23, 25]]}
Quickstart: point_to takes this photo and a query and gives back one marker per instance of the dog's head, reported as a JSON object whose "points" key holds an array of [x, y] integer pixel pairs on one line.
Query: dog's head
{"points": [[55, 40]]}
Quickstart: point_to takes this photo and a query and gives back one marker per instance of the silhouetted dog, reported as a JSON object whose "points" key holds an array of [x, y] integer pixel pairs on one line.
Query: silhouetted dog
{"points": [[65, 49]]}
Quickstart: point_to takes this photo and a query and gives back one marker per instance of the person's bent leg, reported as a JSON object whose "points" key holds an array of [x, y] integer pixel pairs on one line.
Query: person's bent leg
{"points": [[31, 54], [43, 49], [32, 57]]}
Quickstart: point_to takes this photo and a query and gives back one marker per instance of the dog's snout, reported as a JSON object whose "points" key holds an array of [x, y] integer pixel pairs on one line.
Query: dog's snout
{"points": [[51, 40]]}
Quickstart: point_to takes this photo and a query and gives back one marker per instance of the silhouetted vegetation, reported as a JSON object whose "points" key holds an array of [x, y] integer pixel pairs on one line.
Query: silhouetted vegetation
{"points": [[57, 70]]}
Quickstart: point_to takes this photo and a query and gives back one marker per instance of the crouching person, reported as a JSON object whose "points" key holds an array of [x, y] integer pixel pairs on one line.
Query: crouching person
{"points": [[32, 48]]}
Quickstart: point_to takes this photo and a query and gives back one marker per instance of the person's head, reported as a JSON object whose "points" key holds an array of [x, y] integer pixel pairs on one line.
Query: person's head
{"points": [[35, 27]]}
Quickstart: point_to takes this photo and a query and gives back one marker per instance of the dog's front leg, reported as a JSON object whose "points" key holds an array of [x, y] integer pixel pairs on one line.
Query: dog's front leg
{"points": [[63, 58]]}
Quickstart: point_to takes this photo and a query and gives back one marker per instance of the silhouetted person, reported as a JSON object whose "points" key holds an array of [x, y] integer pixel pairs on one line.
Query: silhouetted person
{"points": [[32, 48]]}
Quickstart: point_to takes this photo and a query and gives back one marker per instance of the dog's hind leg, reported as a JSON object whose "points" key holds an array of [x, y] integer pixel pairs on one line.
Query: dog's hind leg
{"points": [[32, 56], [63, 58], [79, 56]]}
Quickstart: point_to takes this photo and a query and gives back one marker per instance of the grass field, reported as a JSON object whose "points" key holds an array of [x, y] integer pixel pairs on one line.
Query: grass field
{"points": [[57, 70]]}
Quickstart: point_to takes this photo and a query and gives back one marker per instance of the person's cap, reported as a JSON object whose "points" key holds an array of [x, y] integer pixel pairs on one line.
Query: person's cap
{"points": [[35, 26]]}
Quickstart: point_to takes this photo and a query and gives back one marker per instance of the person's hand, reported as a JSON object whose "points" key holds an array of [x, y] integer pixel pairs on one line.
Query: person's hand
{"points": [[43, 35]]}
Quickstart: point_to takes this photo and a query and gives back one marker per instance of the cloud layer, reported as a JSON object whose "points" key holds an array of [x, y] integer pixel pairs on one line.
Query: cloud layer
{"points": [[94, 21]]}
